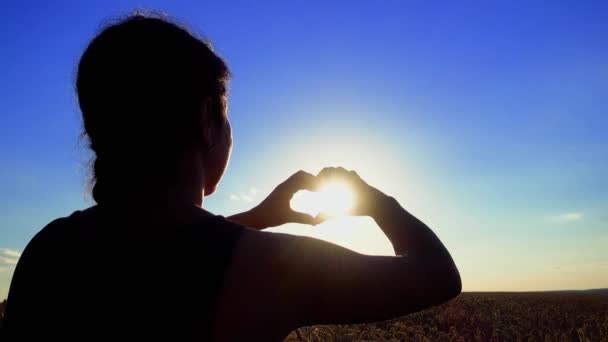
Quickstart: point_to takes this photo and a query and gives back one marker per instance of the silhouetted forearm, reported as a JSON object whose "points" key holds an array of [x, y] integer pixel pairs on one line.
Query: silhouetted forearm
{"points": [[247, 218], [412, 238]]}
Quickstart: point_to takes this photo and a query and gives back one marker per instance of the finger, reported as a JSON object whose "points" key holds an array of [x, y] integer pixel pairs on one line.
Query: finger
{"points": [[326, 172], [300, 180], [330, 173], [297, 217]]}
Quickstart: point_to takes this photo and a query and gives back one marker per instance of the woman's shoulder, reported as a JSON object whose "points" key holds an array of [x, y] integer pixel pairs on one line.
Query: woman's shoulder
{"points": [[93, 226], [220, 224], [44, 251], [57, 229], [215, 233], [49, 241]]}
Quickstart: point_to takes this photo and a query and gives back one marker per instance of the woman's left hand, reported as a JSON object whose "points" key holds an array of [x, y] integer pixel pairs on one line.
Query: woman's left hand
{"points": [[275, 210]]}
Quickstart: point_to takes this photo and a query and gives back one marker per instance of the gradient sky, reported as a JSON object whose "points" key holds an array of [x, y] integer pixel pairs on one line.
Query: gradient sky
{"points": [[487, 120]]}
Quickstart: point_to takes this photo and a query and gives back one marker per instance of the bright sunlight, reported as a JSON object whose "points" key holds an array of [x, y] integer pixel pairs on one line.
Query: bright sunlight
{"points": [[334, 199]]}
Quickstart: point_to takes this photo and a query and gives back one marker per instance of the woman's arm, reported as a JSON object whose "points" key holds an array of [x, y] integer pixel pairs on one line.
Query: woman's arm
{"points": [[278, 282], [409, 236]]}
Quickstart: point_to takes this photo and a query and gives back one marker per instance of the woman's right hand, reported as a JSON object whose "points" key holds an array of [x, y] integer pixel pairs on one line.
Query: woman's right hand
{"points": [[367, 200]]}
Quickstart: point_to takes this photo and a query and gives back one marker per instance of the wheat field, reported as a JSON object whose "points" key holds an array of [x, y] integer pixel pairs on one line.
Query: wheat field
{"points": [[540, 316]]}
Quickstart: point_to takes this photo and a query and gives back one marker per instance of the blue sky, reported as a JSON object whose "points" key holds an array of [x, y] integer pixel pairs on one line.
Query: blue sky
{"points": [[485, 119]]}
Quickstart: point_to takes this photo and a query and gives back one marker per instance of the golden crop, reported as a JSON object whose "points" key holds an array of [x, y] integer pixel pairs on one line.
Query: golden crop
{"points": [[541, 316]]}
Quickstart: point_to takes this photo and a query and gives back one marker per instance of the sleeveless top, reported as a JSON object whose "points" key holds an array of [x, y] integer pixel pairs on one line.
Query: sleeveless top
{"points": [[111, 280]]}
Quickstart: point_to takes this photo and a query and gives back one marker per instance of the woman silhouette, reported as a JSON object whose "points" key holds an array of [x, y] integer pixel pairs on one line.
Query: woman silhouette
{"points": [[148, 262]]}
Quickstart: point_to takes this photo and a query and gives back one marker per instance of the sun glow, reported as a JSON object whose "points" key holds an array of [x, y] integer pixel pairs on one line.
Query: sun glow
{"points": [[333, 199]]}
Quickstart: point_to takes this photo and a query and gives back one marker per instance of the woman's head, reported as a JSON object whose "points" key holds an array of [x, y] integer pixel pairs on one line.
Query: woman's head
{"points": [[153, 101]]}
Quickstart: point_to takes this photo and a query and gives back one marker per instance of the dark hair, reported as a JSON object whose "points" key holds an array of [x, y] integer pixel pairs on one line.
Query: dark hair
{"points": [[140, 85]]}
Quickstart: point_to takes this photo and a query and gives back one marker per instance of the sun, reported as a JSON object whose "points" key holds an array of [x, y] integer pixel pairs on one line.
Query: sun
{"points": [[334, 199]]}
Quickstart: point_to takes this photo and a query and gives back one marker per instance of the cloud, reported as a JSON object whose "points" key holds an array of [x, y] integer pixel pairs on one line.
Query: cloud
{"points": [[566, 217], [247, 197], [9, 253], [594, 266], [8, 259]]}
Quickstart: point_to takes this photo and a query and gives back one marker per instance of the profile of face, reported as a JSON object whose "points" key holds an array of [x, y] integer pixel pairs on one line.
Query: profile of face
{"points": [[216, 158]]}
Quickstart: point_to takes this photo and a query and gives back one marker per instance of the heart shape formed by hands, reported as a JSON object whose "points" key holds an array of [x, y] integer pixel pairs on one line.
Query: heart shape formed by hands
{"points": [[308, 199], [332, 199]]}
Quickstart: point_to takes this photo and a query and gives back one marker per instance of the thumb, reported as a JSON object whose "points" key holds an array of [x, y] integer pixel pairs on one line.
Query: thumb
{"points": [[297, 217], [322, 217]]}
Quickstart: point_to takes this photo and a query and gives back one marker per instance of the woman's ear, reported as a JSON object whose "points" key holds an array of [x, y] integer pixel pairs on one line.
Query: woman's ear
{"points": [[207, 126]]}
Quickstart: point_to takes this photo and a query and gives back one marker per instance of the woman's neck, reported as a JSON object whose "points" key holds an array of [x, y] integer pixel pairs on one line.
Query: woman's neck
{"points": [[176, 204]]}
